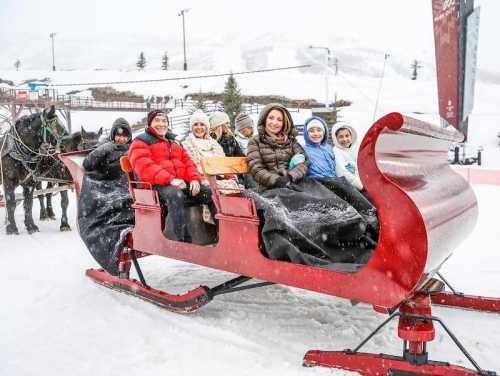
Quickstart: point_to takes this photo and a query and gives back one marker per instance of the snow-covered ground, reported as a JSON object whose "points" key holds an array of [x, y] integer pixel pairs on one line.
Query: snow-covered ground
{"points": [[55, 321]]}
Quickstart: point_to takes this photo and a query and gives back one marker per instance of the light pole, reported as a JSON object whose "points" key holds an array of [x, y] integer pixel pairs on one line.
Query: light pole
{"points": [[52, 35], [181, 13], [327, 56]]}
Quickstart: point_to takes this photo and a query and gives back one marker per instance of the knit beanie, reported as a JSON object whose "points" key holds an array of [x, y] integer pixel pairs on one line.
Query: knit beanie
{"points": [[243, 120], [218, 118], [199, 117], [154, 113]]}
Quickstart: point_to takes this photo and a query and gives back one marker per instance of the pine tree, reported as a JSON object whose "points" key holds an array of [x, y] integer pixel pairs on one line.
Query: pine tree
{"points": [[141, 62], [17, 64], [200, 104], [232, 100], [164, 61]]}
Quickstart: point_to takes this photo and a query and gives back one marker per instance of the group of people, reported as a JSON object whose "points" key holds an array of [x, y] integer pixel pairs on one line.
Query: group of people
{"points": [[276, 159]]}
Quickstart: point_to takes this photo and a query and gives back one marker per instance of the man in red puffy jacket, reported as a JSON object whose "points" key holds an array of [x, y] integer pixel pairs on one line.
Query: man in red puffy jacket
{"points": [[158, 160]]}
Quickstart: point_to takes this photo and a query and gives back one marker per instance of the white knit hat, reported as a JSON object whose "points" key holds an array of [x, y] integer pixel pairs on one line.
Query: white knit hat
{"points": [[218, 118], [199, 117]]}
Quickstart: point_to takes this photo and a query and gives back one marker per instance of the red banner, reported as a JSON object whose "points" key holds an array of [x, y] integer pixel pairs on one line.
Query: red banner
{"points": [[445, 15]]}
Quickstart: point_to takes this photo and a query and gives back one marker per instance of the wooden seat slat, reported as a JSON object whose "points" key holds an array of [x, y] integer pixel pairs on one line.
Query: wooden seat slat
{"points": [[225, 165]]}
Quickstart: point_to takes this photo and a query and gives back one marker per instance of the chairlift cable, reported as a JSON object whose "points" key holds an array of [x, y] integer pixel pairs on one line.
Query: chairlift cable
{"points": [[183, 78]]}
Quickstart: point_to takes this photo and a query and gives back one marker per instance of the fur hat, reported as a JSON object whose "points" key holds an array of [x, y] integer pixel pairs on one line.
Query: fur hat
{"points": [[218, 118], [243, 120], [199, 117]]}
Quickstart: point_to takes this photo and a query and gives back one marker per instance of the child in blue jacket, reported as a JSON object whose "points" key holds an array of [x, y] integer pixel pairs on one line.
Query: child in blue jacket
{"points": [[322, 168]]}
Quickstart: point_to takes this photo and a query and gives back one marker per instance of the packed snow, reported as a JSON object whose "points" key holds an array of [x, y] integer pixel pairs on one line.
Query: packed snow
{"points": [[55, 321]]}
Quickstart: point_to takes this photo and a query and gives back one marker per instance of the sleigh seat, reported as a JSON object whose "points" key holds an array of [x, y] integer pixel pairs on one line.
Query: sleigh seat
{"points": [[145, 198]]}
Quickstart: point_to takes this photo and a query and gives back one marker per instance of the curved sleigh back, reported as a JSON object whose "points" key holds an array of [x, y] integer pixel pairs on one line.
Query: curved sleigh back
{"points": [[425, 208]]}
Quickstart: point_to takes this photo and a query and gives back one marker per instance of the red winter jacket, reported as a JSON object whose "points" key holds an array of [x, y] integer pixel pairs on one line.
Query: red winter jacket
{"points": [[157, 160]]}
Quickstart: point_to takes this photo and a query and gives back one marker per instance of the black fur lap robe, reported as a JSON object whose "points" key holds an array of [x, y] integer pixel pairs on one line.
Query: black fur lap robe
{"points": [[307, 223], [105, 215]]}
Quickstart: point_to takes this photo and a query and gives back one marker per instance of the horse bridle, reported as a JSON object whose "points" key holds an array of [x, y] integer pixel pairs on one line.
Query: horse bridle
{"points": [[49, 127]]}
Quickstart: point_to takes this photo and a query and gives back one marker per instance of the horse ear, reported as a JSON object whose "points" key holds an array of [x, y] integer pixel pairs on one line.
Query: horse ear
{"points": [[100, 132], [51, 111], [83, 131]]}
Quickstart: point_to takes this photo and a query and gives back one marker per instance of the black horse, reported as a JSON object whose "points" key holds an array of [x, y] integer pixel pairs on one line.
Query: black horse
{"points": [[54, 169], [26, 144]]}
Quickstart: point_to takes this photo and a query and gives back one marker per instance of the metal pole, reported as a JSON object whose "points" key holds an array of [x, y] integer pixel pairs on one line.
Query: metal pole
{"points": [[184, 37], [327, 67], [386, 56], [327, 99], [52, 35]]}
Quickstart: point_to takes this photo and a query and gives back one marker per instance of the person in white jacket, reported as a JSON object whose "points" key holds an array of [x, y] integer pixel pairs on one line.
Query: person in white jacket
{"points": [[346, 153]]}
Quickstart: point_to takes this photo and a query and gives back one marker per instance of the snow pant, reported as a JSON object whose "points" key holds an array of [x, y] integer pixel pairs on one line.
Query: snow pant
{"points": [[177, 200]]}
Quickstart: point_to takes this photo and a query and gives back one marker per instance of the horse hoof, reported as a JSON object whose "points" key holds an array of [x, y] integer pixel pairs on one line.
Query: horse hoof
{"points": [[32, 229], [65, 228], [12, 230], [44, 218]]}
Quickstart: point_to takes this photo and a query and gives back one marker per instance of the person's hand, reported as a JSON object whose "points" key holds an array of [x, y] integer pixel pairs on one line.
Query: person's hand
{"points": [[178, 183], [194, 187], [282, 181]]}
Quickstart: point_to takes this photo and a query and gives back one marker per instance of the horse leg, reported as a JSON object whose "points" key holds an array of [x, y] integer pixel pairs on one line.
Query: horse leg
{"points": [[28, 208], [10, 201], [41, 199], [48, 196], [64, 206]]}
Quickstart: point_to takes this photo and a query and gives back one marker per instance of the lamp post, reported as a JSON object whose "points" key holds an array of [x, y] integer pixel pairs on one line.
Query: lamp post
{"points": [[52, 35], [327, 56], [181, 13]]}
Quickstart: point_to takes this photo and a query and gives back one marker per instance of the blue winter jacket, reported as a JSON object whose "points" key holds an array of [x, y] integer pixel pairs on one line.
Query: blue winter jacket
{"points": [[321, 157]]}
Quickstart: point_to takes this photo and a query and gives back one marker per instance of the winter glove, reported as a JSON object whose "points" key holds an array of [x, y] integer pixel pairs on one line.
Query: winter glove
{"points": [[296, 159], [194, 187], [282, 181], [178, 183]]}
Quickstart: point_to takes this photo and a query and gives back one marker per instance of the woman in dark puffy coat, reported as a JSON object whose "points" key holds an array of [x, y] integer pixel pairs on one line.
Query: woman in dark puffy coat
{"points": [[271, 151], [105, 160]]}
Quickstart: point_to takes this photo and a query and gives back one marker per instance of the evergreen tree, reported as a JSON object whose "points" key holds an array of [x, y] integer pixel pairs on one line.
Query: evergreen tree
{"points": [[141, 62], [232, 100], [200, 104], [164, 61], [17, 64]]}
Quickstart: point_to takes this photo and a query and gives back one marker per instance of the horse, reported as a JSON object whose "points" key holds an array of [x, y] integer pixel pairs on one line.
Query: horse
{"points": [[22, 150], [54, 169]]}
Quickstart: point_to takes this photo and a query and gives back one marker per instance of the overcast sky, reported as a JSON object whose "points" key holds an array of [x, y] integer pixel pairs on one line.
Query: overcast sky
{"points": [[392, 25]]}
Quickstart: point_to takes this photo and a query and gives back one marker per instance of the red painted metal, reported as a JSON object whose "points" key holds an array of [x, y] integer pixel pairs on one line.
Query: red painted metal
{"points": [[446, 32], [188, 302], [478, 303], [415, 332], [380, 364], [425, 210]]}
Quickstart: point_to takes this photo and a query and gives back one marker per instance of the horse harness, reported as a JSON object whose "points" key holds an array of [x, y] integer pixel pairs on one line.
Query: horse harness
{"points": [[27, 156]]}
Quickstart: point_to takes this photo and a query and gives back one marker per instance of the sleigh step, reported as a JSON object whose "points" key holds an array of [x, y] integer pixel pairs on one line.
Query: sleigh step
{"points": [[381, 364], [477, 303], [187, 302]]}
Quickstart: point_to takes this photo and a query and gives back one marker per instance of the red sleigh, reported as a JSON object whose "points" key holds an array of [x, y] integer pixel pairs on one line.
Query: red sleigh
{"points": [[425, 210]]}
